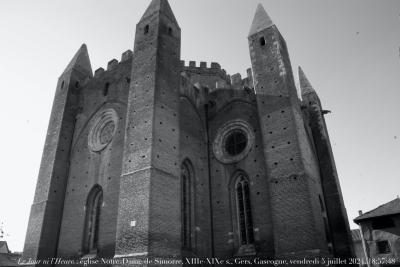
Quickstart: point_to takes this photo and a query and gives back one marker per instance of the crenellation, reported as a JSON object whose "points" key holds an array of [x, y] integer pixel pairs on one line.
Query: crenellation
{"points": [[98, 72], [250, 74], [112, 64], [192, 69], [248, 81], [236, 80], [127, 55], [215, 65]]}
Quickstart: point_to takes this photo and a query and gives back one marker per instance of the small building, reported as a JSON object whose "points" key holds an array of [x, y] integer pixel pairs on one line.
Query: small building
{"points": [[380, 231], [8, 259]]}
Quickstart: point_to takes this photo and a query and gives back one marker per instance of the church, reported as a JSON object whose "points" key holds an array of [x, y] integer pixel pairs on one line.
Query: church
{"points": [[155, 157]]}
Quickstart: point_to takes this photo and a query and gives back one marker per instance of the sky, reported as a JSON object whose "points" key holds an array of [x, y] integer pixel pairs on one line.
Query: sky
{"points": [[349, 50]]}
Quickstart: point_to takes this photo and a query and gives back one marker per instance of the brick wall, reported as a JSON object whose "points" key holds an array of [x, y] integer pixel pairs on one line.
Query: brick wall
{"points": [[88, 168]]}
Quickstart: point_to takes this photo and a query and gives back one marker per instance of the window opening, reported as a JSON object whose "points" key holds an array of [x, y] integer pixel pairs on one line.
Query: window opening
{"points": [[235, 143], [262, 41], [383, 247], [245, 220]]}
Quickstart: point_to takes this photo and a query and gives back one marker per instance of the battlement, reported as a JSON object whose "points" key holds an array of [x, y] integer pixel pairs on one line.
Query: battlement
{"points": [[113, 63], [238, 83], [192, 67], [202, 68]]}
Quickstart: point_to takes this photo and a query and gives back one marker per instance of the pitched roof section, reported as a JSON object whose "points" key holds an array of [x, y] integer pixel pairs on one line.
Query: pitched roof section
{"points": [[305, 85], [390, 208], [261, 21], [4, 247], [81, 62], [161, 6]]}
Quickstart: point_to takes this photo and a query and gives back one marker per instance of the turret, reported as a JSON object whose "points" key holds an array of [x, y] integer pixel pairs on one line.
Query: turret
{"points": [[293, 175], [336, 212], [46, 211]]}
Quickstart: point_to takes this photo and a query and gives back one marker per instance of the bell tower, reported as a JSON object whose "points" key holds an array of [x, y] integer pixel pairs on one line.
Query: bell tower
{"points": [[149, 202], [292, 169]]}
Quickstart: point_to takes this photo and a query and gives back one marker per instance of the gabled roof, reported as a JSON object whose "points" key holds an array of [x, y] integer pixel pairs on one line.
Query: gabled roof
{"points": [[390, 208]]}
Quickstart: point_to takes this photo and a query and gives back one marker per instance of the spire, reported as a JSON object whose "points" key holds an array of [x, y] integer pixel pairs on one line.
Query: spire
{"points": [[161, 6], [261, 21], [80, 62], [305, 85]]}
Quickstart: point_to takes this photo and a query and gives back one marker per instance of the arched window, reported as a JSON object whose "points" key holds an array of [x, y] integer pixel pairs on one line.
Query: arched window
{"points": [[92, 220], [186, 200], [245, 221]]}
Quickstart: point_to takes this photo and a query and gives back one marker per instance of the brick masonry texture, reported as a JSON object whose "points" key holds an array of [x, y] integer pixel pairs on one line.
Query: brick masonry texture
{"points": [[169, 112]]}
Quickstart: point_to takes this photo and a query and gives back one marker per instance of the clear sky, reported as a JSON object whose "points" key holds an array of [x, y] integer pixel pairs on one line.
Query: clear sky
{"points": [[349, 50]]}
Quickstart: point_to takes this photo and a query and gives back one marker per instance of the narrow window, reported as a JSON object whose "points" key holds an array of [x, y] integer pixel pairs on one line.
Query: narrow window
{"points": [[262, 41], [169, 31], [186, 198], [146, 29], [105, 90], [92, 220], [382, 247], [246, 235], [62, 85]]}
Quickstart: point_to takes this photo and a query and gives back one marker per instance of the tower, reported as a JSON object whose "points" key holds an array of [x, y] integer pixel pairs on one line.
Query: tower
{"points": [[335, 209], [46, 211], [149, 197], [292, 169]]}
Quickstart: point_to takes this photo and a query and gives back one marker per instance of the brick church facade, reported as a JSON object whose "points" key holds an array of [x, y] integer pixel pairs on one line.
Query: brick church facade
{"points": [[156, 158]]}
